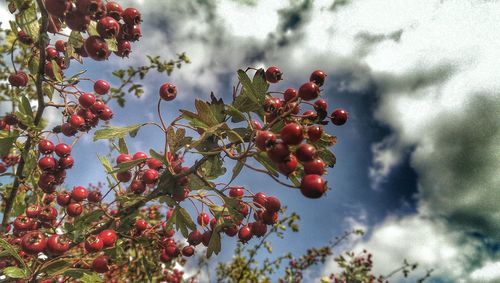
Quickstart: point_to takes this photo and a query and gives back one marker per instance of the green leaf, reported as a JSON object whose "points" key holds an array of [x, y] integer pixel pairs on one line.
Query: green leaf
{"points": [[187, 218], [262, 158], [326, 141], [48, 91], [236, 115], [57, 267], [105, 162], [248, 86], [217, 108], [180, 223], [237, 168], [208, 133], [328, 157], [124, 166], [56, 71], [244, 104], [14, 272], [6, 144], [122, 145], [112, 44], [19, 203], [193, 119], [83, 275], [92, 29], [25, 108], [117, 132], [196, 183], [13, 252], [33, 64], [167, 182], [177, 139], [75, 39], [260, 84], [214, 245], [213, 167], [205, 113], [28, 22]]}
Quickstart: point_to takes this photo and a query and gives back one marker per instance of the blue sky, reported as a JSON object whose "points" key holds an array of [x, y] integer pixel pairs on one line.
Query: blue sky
{"points": [[416, 163]]}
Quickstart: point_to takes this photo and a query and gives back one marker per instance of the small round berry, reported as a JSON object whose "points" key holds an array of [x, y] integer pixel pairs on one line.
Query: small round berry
{"points": [[33, 242], [141, 224], [203, 219], [236, 192], [57, 244], [321, 105], [309, 91], [314, 133], [313, 186], [46, 146], [264, 139], [100, 264], [168, 91], [47, 163], [278, 152], [150, 176], [315, 166], [79, 193], [273, 74], [260, 198], [93, 244], [74, 209], [123, 158], [86, 100], [108, 237], [290, 94], [339, 117], [61, 45], [101, 87], [291, 134], [245, 233], [63, 150], [305, 152], [131, 16], [272, 204], [318, 77], [288, 165], [187, 251]]}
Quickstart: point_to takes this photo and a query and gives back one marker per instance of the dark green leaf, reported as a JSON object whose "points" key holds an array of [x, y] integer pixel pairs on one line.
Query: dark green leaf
{"points": [[28, 22], [13, 252], [237, 169], [6, 144], [213, 167], [205, 113], [158, 156], [217, 108], [187, 218], [236, 115], [83, 275], [214, 245], [57, 267], [328, 157], [56, 71], [262, 158], [124, 166]]}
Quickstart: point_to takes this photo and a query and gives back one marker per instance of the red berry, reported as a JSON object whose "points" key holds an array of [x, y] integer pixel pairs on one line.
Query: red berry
{"points": [[58, 8], [47, 163], [94, 196], [123, 158], [273, 74], [269, 218], [272, 204], [108, 237], [264, 139], [74, 209], [33, 210], [124, 48], [77, 21], [33, 242], [22, 222], [133, 32], [63, 198], [57, 244], [131, 16], [52, 53], [288, 165], [180, 195], [321, 105], [63, 150], [96, 48], [88, 7], [310, 114], [61, 45], [139, 155], [150, 176], [141, 224], [100, 264], [154, 164], [339, 116], [314, 133], [260, 199], [168, 91], [108, 27], [114, 10], [245, 233], [290, 94], [86, 100], [195, 238], [259, 229], [48, 213], [236, 192], [66, 162], [76, 121], [278, 152], [24, 38], [68, 130], [79, 193], [93, 244], [98, 107], [106, 114], [309, 91], [203, 219], [318, 77], [272, 104], [315, 166], [18, 79], [3, 168], [137, 187], [313, 186], [256, 125], [292, 134], [46, 146], [188, 251], [124, 176], [101, 87], [305, 152]]}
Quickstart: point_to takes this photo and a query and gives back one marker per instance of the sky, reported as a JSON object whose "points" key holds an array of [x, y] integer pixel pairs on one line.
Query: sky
{"points": [[416, 162]]}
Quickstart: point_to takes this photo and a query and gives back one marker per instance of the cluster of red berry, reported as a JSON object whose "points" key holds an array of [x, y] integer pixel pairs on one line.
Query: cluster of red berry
{"points": [[113, 22], [287, 149]]}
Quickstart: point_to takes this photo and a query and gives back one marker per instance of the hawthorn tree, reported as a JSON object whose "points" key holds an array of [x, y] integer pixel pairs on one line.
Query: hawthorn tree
{"points": [[123, 230]]}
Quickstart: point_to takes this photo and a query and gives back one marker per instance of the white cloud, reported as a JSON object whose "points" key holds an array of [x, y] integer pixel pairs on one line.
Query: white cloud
{"points": [[490, 272]]}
